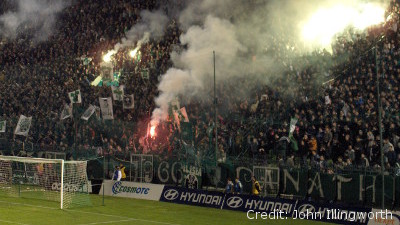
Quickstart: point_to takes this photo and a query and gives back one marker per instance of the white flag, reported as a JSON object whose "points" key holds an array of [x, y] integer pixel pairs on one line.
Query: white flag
{"points": [[88, 113], [75, 96], [327, 100], [118, 92], [129, 102], [175, 105], [106, 72], [184, 115], [23, 126], [66, 111], [3, 126], [106, 108], [293, 122]]}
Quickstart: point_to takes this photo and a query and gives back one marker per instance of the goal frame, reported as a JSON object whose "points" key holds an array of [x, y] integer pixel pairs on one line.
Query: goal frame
{"points": [[61, 162]]}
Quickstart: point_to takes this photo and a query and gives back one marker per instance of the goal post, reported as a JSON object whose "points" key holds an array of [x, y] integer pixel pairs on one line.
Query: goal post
{"points": [[45, 179]]}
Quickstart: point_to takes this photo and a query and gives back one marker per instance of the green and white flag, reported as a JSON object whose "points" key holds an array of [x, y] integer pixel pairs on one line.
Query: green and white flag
{"points": [[293, 122], [107, 72], [88, 113], [96, 81], [129, 102], [106, 108], [75, 96], [3, 126], [145, 74], [66, 111], [86, 61], [118, 92], [23, 126], [175, 105], [293, 141]]}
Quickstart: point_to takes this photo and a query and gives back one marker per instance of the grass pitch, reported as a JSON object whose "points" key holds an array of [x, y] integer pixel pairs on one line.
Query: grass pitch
{"points": [[123, 211]]}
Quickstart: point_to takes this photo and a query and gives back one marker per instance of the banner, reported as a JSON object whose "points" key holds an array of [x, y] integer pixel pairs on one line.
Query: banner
{"points": [[96, 81], [192, 197], [183, 115], [273, 208], [3, 126], [132, 190], [66, 111], [106, 72], [191, 176], [129, 102], [88, 113], [75, 96], [106, 108], [145, 74], [293, 122], [118, 92], [23, 126]]}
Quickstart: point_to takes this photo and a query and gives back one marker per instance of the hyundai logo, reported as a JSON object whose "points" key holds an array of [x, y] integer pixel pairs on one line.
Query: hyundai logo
{"points": [[171, 194], [234, 202], [306, 208]]}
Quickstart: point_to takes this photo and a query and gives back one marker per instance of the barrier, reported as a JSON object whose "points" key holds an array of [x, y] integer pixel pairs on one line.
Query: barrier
{"points": [[297, 209], [192, 197], [132, 190]]}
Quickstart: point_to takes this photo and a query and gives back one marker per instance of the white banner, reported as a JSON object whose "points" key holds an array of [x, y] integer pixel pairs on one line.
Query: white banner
{"points": [[118, 92], [106, 108], [132, 190], [88, 113], [3, 126], [292, 127], [66, 112], [184, 115], [75, 96], [23, 126], [129, 102]]}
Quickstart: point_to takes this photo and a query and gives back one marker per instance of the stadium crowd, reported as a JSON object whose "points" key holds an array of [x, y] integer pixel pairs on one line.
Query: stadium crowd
{"points": [[337, 120]]}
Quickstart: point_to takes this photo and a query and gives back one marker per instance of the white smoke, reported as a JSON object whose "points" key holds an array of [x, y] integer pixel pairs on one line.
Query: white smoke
{"points": [[37, 16], [195, 63], [247, 37], [152, 24]]}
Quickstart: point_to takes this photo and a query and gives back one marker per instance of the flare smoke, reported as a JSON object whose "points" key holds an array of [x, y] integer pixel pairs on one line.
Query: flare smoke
{"points": [[252, 39], [36, 17]]}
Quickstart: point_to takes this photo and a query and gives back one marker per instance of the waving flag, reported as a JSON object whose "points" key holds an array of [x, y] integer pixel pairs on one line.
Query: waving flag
{"points": [[75, 96], [23, 126]]}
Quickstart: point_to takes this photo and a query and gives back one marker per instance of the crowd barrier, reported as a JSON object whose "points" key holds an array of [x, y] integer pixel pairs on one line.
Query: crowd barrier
{"points": [[254, 207]]}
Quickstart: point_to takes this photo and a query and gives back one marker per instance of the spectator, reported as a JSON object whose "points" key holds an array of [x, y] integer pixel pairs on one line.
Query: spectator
{"points": [[238, 186], [256, 188], [364, 161], [117, 174], [229, 186]]}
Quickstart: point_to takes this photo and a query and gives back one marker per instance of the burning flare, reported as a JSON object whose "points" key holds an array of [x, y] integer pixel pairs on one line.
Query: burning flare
{"points": [[107, 57], [132, 53], [324, 24], [153, 131]]}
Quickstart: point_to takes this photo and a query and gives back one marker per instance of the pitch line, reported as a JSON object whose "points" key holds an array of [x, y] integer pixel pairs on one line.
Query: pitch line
{"points": [[114, 221], [93, 213], [6, 221]]}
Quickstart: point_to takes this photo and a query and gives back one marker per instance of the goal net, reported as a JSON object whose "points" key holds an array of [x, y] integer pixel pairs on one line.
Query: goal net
{"points": [[45, 179]]}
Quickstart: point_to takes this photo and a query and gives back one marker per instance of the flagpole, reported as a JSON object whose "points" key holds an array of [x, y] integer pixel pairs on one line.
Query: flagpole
{"points": [[216, 118], [380, 126]]}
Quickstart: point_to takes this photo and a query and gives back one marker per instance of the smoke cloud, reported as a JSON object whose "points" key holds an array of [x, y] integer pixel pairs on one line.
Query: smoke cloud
{"points": [[33, 17], [256, 40], [152, 24]]}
